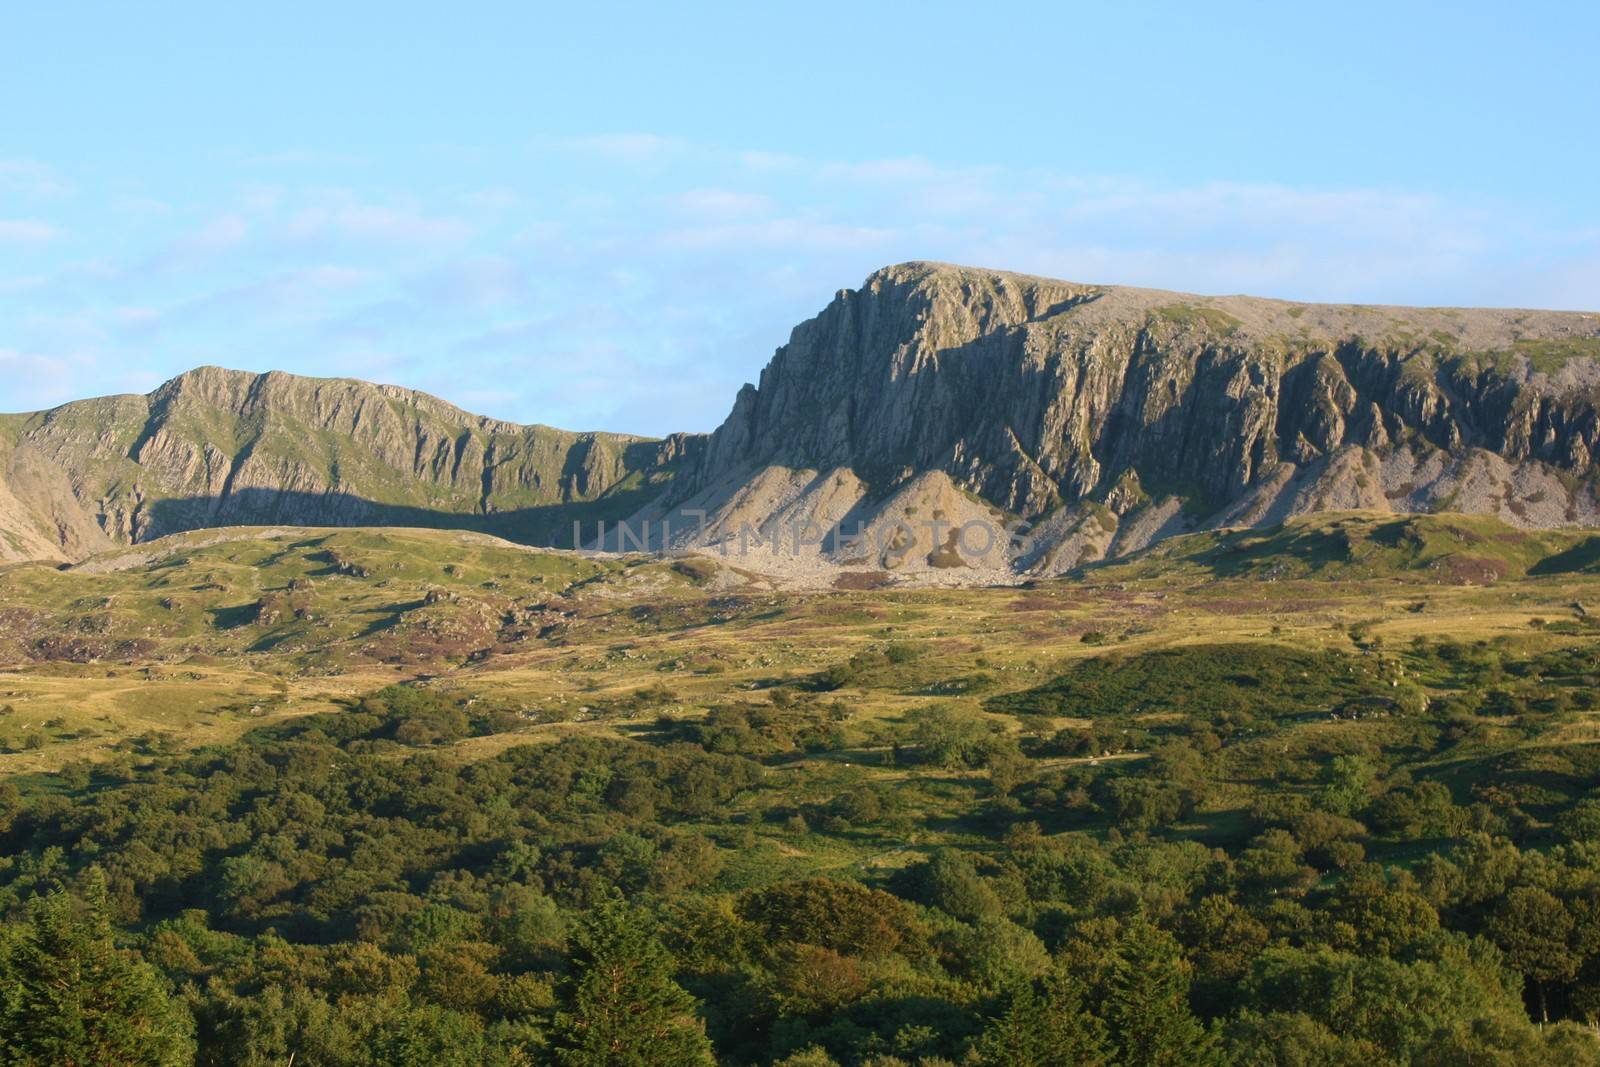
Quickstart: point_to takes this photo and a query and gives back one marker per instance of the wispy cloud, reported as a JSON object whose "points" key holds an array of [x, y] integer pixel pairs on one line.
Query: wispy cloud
{"points": [[296, 157], [31, 178], [33, 381], [896, 172], [632, 281], [192, 248], [792, 234], [768, 161], [303, 295], [374, 223], [629, 147], [27, 231], [721, 203]]}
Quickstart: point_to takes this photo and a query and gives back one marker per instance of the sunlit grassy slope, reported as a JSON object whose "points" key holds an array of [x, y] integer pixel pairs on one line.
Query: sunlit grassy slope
{"points": [[201, 637]]}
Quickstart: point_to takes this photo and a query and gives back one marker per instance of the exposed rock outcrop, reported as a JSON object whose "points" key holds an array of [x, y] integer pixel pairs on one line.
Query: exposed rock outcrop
{"points": [[1105, 417], [217, 447], [1080, 422]]}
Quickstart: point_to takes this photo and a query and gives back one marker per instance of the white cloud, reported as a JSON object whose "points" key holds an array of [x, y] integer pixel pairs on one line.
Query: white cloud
{"points": [[142, 207], [375, 224], [28, 177], [297, 157], [221, 234], [628, 147], [569, 296], [1240, 212], [27, 232], [262, 198], [477, 283], [880, 171], [498, 198], [34, 382], [721, 203], [793, 234], [769, 161], [300, 295]]}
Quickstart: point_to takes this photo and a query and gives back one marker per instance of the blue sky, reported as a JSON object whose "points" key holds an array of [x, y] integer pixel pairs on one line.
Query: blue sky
{"points": [[608, 218]]}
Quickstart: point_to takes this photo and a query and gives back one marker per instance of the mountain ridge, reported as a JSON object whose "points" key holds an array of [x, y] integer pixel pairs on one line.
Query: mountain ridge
{"points": [[1058, 402], [1104, 417], [221, 447]]}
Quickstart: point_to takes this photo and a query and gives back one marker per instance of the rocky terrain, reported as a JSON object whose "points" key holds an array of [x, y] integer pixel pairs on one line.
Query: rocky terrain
{"points": [[216, 447], [1077, 422], [1106, 418]]}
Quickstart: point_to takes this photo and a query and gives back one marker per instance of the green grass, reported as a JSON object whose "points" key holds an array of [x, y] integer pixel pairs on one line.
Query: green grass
{"points": [[1549, 355], [209, 634], [1581, 558], [1449, 548], [1206, 680], [1194, 316], [280, 732], [1543, 355]]}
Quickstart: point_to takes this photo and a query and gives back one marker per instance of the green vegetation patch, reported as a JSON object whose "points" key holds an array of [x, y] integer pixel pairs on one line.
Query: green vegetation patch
{"points": [[1282, 812], [1201, 680], [1549, 355], [1581, 558], [1545, 355], [1452, 549], [1195, 316]]}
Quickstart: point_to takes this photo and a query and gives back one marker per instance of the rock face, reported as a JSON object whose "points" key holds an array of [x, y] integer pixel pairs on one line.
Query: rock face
{"points": [[1085, 421], [216, 447], [1151, 413]]}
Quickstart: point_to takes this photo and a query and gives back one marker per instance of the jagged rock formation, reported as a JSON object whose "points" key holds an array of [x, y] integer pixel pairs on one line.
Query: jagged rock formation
{"points": [[1108, 417], [216, 447], [1087, 421]]}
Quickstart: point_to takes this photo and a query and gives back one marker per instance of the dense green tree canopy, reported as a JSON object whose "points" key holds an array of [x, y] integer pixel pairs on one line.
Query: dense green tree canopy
{"points": [[775, 881]]}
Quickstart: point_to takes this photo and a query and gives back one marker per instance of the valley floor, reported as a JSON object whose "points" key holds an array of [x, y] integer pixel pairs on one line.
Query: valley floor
{"points": [[400, 796]]}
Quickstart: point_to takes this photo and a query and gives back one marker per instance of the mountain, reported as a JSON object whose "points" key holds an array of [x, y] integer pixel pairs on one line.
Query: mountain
{"points": [[1078, 422], [216, 447], [1108, 417]]}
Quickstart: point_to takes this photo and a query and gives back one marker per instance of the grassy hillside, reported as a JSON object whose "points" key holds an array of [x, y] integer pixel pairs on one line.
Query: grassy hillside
{"points": [[216, 448], [1448, 549], [362, 796]]}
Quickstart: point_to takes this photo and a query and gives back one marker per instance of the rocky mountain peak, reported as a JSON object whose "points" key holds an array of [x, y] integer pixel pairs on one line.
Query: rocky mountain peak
{"points": [[1103, 417], [217, 447], [1045, 399]]}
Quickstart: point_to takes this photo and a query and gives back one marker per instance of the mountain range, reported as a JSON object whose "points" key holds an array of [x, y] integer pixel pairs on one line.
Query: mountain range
{"points": [[1087, 421]]}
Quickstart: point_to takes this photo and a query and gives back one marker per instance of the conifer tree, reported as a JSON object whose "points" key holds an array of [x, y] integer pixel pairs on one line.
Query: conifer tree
{"points": [[1151, 1021], [73, 999], [625, 1010], [1044, 1028]]}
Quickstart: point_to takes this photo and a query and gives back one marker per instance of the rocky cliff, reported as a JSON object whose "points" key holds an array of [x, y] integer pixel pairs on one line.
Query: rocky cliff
{"points": [[1107, 417], [216, 447], [1086, 421]]}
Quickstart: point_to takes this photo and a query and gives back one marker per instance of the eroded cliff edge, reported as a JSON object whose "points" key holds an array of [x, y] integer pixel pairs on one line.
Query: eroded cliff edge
{"points": [[1107, 417], [1095, 419]]}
